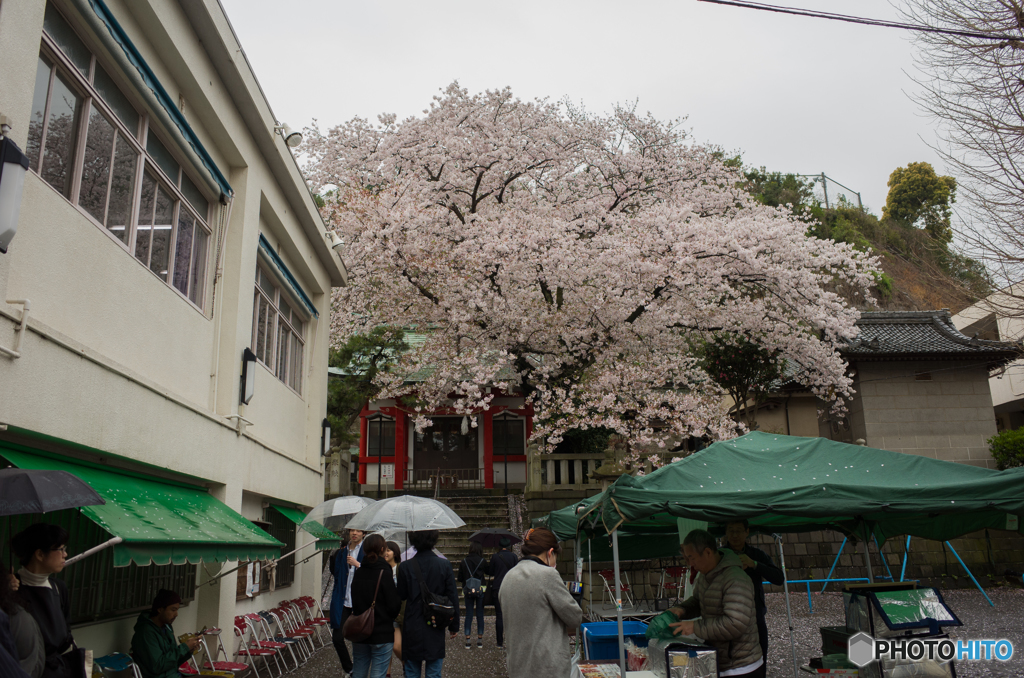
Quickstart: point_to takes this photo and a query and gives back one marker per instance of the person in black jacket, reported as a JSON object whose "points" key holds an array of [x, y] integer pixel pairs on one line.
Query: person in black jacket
{"points": [[759, 566], [501, 562], [423, 644], [473, 567], [374, 580], [41, 549]]}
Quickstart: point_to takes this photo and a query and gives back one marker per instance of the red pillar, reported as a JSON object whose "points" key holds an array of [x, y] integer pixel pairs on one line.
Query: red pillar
{"points": [[362, 445], [401, 447], [488, 449]]}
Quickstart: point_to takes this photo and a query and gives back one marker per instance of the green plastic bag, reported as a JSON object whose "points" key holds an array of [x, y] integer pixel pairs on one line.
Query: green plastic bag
{"points": [[659, 626]]}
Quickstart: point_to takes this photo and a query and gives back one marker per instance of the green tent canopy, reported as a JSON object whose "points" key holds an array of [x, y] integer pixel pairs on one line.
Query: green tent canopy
{"points": [[790, 484], [325, 539], [159, 521]]}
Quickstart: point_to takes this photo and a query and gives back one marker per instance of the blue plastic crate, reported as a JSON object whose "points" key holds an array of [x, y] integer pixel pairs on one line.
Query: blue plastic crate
{"points": [[601, 639]]}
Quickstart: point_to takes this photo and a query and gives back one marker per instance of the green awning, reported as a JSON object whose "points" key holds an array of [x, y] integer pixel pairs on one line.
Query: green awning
{"points": [[160, 521], [325, 539]]}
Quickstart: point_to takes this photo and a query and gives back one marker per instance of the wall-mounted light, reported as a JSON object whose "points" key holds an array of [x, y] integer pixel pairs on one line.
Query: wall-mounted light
{"points": [[291, 137], [325, 440], [13, 166], [335, 241], [248, 387]]}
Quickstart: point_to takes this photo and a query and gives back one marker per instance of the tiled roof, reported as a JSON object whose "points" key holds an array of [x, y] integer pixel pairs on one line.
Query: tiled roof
{"points": [[921, 334]]}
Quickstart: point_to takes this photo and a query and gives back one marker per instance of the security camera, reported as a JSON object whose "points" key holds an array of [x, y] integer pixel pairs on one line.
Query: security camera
{"points": [[291, 137], [336, 242]]}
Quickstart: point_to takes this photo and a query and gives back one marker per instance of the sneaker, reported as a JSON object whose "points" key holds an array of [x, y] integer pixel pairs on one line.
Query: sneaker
{"points": [[480, 643], [467, 643]]}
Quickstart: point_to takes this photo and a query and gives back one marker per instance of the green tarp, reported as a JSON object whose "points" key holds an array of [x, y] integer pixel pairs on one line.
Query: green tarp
{"points": [[790, 484], [160, 521], [325, 539]]}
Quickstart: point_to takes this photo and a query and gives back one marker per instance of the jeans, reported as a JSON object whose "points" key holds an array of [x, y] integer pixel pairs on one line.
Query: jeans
{"points": [[499, 626], [371, 660], [339, 641], [412, 669], [762, 633], [477, 602]]}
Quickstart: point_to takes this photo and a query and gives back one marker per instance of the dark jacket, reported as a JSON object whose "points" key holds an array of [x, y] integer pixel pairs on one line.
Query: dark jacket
{"points": [[339, 568], [51, 608], [364, 582], [724, 600], [156, 650], [765, 570], [472, 566], [501, 563], [419, 641], [9, 665]]}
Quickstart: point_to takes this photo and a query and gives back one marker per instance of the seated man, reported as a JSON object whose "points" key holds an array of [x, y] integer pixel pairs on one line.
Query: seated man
{"points": [[724, 600], [156, 650]]}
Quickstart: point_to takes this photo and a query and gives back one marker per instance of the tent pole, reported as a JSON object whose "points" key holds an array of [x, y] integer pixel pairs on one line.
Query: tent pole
{"points": [[618, 602], [882, 556], [789, 612], [833, 569], [867, 561], [906, 552], [970, 574]]}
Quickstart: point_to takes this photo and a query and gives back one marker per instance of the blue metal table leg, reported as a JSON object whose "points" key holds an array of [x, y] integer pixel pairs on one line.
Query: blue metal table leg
{"points": [[810, 605], [833, 568], [882, 556], [970, 574]]}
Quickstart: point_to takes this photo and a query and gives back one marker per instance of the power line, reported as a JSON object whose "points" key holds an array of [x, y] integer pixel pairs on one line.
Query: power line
{"points": [[883, 23]]}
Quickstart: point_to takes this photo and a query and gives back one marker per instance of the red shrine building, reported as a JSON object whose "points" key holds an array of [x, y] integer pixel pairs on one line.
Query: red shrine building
{"points": [[452, 451]]}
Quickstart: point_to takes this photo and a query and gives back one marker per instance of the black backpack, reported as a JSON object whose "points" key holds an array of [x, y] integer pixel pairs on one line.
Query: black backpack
{"points": [[437, 610], [473, 588]]}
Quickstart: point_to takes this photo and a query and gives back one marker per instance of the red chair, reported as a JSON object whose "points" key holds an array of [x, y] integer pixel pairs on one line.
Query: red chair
{"points": [[212, 658], [608, 577], [250, 649], [676, 573]]}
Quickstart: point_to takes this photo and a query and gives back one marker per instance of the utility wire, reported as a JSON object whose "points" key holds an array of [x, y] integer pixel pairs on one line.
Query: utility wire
{"points": [[883, 23]]}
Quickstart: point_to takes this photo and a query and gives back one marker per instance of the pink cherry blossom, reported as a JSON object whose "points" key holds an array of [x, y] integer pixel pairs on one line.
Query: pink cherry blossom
{"points": [[574, 258]]}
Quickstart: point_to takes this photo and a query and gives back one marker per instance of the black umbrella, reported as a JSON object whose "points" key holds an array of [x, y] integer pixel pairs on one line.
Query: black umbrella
{"points": [[490, 536], [42, 491]]}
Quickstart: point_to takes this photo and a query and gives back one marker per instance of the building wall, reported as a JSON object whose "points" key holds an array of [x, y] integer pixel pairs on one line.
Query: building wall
{"points": [[1000, 317], [114, 358], [947, 417]]}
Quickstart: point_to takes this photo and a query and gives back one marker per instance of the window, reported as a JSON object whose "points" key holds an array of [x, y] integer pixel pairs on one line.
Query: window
{"points": [[98, 590], [282, 529], [90, 144], [508, 435], [277, 335], [380, 436]]}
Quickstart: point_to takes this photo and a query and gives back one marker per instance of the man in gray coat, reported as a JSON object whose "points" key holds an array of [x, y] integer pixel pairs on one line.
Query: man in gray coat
{"points": [[724, 600]]}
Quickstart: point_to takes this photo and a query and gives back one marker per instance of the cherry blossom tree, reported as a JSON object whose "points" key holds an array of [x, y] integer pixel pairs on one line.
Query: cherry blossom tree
{"points": [[574, 258]]}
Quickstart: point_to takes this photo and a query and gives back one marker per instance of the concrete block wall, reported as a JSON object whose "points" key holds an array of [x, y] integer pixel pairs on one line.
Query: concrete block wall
{"points": [[948, 416]]}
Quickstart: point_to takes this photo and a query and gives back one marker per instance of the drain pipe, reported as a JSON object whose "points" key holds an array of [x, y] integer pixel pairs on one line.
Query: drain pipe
{"points": [[19, 331], [222, 238]]}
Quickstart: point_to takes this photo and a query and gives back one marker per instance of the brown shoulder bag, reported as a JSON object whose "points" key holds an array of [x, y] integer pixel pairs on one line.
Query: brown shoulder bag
{"points": [[359, 627]]}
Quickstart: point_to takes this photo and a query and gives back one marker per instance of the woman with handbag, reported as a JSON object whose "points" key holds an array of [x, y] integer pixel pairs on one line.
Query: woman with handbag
{"points": [[427, 584], [41, 549], [471, 572], [375, 604]]}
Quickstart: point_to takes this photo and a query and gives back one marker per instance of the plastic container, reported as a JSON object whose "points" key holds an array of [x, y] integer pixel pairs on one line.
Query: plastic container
{"points": [[601, 639]]}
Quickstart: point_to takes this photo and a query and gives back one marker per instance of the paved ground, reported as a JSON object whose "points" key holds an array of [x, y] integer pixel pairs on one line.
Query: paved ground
{"points": [[980, 621]]}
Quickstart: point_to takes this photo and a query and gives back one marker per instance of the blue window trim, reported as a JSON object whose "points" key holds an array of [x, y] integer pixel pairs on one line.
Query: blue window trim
{"points": [[287, 275], [147, 75]]}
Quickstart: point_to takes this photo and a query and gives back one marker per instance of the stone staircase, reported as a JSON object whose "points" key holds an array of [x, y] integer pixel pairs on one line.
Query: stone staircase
{"points": [[478, 512]]}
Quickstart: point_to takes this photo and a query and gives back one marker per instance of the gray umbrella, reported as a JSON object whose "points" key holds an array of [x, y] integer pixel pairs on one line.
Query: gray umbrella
{"points": [[42, 491], [407, 513], [334, 514]]}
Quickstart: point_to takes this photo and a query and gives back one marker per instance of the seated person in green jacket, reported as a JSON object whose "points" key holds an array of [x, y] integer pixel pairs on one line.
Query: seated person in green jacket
{"points": [[155, 648]]}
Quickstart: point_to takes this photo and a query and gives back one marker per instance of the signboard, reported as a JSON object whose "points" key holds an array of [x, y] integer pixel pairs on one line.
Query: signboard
{"points": [[387, 471]]}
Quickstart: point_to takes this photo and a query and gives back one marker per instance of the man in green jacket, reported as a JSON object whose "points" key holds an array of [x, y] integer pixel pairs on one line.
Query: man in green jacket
{"points": [[724, 600], [155, 648]]}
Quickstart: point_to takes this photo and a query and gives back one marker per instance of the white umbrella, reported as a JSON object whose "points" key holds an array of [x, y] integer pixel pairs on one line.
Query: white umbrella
{"points": [[406, 513], [334, 514]]}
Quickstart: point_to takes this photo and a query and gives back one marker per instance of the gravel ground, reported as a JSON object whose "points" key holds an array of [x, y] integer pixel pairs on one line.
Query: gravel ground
{"points": [[980, 621]]}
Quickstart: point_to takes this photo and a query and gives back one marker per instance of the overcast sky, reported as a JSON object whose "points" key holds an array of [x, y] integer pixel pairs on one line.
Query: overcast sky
{"points": [[793, 94]]}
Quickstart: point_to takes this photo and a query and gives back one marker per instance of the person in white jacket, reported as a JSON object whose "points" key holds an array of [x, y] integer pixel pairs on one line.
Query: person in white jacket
{"points": [[538, 610]]}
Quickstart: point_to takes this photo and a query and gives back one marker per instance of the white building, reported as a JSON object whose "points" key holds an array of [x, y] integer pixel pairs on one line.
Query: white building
{"points": [[165, 229], [1000, 317]]}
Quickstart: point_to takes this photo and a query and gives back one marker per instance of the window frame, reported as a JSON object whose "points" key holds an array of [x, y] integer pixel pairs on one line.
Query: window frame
{"points": [[505, 418], [282, 528], [84, 87], [382, 450], [273, 332]]}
